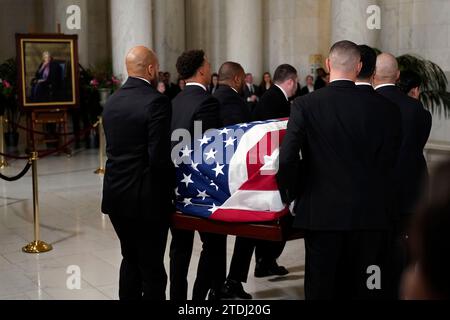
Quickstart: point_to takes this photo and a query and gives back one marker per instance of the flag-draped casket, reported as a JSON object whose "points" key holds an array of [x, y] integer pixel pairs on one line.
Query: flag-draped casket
{"points": [[229, 174]]}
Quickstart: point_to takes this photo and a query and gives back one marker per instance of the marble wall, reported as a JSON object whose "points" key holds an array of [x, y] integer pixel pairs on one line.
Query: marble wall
{"points": [[99, 39], [292, 31], [16, 16], [260, 34], [59, 15], [420, 27], [43, 16], [417, 26]]}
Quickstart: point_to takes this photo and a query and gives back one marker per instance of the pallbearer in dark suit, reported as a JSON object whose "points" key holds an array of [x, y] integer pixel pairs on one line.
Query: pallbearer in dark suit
{"points": [[365, 77], [274, 104], [233, 110], [411, 170], [232, 106], [342, 180], [139, 179], [194, 103]]}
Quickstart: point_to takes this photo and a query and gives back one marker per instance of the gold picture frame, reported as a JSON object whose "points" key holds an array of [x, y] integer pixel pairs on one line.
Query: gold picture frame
{"points": [[48, 73]]}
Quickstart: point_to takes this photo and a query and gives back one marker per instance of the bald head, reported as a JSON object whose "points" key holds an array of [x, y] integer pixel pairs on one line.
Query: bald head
{"points": [[344, 60], [387, 69], [142, 62]]}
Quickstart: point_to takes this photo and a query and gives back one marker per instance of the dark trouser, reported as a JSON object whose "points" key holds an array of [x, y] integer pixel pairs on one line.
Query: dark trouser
{"points": [[143, 244], [399, 257], [211, 270], [242, 256], [266, 253], [337, 264]]}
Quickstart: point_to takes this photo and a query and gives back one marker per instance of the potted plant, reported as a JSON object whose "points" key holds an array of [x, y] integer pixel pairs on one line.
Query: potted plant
{"points": [[434, 93], [96, 85], [8, 101], [104, 81]]}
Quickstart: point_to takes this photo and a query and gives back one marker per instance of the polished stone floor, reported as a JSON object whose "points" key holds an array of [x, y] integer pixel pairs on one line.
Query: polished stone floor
{"points": [[71, 221]]}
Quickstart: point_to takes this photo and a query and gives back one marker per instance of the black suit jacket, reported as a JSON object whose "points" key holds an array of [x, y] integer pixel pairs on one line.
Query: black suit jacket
{"points": [[195, 104], [247, 94], [304, 91], [272, 105], [349, 141], [233, 109], [411, 170], [319, 83], [139, 178]]}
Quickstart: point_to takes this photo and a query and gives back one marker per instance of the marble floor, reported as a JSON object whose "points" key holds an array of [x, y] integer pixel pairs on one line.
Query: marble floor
{"points": [[70, 195]]}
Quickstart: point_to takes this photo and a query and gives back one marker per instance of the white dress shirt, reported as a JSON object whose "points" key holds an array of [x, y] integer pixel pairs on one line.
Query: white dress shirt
{"points": [[384, 85], [341, 80], [250, 88], [363, 84], [142, 79], [284, 92], [196, 84]]}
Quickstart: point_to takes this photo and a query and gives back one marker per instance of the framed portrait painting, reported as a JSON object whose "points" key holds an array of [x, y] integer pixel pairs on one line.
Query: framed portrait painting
{"points": [[47, 70]]}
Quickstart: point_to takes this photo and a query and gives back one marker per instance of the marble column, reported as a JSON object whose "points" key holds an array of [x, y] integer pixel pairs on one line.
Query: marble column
{"points": [[288, 26], [218, 30], [99, 42], [131, 25], [206, 28], [244, 34], [349, 22], [169, 33]]}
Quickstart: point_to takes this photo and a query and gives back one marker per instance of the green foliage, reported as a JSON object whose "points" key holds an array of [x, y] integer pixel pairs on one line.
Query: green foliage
{"points": [[8, 71], [434, 93], [8, 95]]}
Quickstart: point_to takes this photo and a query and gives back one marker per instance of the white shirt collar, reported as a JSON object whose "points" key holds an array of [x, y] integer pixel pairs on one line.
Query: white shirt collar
{"points": [[234, 90], [284, 92], [142, 79], [384, 85], [196, 84], [334, 80], [363, 84]]}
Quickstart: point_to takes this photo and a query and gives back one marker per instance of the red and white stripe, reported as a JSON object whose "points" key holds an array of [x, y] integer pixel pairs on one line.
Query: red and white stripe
{"points": [[252, 177]]}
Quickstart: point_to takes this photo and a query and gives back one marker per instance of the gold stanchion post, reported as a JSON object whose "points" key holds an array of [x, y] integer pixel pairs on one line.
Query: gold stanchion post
{"points": [[37, 246], [101, 147], [3, 162]]}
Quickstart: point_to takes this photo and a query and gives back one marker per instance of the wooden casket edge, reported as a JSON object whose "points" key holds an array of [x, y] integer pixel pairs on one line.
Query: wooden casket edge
{"points": [[280, 230]]}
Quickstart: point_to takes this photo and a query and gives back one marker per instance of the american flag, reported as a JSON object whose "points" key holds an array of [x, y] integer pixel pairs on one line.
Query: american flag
{"points": [[229, 174]]}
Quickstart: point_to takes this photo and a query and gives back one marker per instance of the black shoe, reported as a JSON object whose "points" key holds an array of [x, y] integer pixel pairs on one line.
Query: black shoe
{"points": [[262, 271], [232, 289]]}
